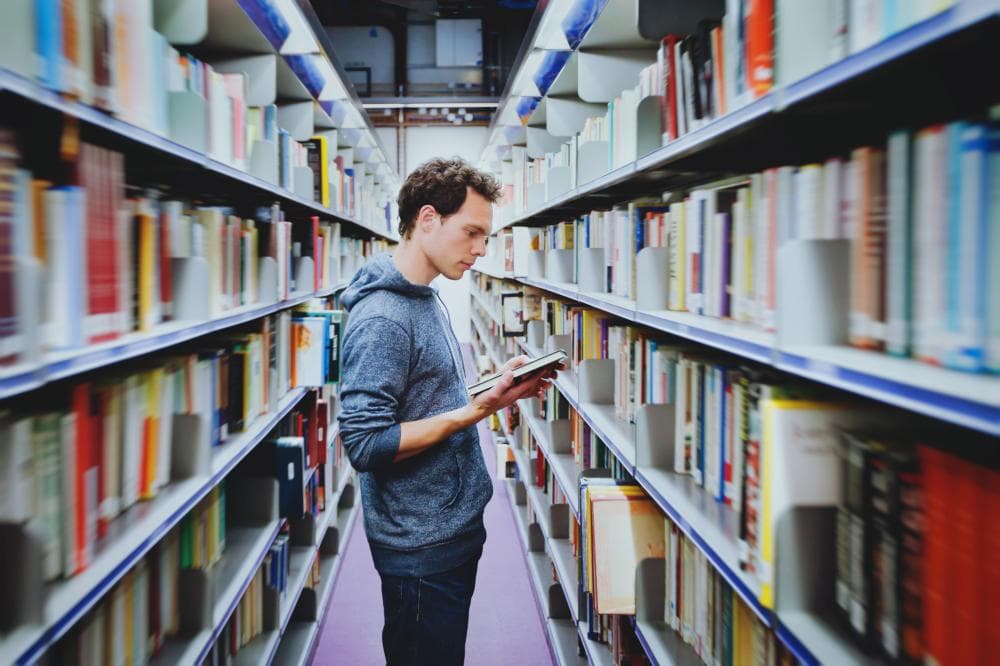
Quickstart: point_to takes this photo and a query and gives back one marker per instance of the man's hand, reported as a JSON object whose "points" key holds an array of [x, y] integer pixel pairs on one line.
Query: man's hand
{"points": [[506, 392], [418, 436]]}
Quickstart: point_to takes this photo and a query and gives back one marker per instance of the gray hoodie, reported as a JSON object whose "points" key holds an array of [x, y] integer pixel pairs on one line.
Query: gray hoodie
{"points": [[401, 362]]}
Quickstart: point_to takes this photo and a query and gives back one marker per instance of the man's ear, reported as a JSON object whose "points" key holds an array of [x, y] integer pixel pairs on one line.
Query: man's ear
{"points": [[426, 217]]}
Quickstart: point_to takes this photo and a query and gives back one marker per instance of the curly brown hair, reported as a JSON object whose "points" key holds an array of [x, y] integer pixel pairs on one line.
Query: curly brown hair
{"points": [[442, 183]]}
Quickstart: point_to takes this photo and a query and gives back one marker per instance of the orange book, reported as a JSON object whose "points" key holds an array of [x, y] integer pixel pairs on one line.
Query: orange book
{"points": [[760, 46]]}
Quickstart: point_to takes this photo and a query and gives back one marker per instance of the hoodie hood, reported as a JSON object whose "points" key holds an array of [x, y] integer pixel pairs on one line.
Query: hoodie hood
{"points": [[381, 273]]}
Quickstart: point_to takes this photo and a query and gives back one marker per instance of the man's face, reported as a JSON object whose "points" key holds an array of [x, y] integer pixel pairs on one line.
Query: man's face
{"points": [[452, 244]]}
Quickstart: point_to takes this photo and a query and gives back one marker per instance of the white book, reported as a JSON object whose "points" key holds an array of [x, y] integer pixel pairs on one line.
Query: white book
{"points": [[740, 256], [165, 431], [803, 35], [111, 460], [681, 82], [17, 470], [830, 223], [899, 245], [55, 323], [695, 262], [839, 29], [132, 424], [764, 240], [701, 605], [786, 205], [712, 439], [930, 241], [809, 202], [734, 491], [865, 21], [681, 433]]}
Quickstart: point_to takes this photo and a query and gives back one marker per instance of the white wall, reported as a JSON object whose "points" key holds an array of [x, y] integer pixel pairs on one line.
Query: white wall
{"points": [[423, 143], [368, 46]]}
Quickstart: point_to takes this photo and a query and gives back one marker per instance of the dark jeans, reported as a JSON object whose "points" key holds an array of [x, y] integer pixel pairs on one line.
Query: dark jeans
{"points": [[427, 619]]}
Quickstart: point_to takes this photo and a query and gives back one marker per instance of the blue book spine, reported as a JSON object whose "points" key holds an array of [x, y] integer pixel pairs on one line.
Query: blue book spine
{"points": [[49, 39], [268, 19], [722, 384], [991, 249], [305, 69], [967, 231]]}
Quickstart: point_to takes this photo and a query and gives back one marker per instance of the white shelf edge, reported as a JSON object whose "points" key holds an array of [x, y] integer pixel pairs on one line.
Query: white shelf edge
{"points": [[921, 396], [63, 365]]}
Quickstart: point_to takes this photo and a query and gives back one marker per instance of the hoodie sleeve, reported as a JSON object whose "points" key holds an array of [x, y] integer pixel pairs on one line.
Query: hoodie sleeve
{"points": [[376, 363]]}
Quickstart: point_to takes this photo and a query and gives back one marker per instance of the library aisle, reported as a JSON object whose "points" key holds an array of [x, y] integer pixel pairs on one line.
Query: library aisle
{"points": [[503, 606]]}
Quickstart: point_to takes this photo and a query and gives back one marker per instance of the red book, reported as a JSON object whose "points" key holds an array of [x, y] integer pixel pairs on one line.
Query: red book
{"points": [[166, 294], [669, 86], [989, 480], [938, 600], [965, 573], [760, 46], [316, 256], [97, 179], [87, 479]]}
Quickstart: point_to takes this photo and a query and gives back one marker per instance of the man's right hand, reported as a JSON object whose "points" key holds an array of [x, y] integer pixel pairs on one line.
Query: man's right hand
{"points": [[506, 392]]}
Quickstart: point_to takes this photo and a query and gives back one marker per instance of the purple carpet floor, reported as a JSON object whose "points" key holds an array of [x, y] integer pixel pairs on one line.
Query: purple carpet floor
{"points": [[505, 626]]}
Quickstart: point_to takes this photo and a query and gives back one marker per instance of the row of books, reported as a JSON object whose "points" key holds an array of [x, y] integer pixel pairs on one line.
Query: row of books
{"points": [[744, 434], [728, 61], [132, 623], [702, 608], [277, 564], [110, 442], [109, 55], [245, 624], [917, 212], [110, 263], [913, 581]]}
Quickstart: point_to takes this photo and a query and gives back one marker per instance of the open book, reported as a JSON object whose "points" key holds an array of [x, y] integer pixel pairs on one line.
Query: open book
{"points": [[521, 373]]}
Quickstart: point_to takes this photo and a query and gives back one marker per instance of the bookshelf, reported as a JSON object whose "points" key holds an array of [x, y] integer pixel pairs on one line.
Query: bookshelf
{"points": [[825, 106], [171, 146], [969, 400], [131, 537], [64, 365]]}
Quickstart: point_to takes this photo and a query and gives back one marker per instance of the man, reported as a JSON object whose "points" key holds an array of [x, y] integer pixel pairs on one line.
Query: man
{"points": [[406, 421]]}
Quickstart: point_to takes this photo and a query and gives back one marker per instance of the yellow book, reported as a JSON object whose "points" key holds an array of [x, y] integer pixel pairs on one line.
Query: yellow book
{"points": [[153, 382], [146, 230], [800, 466], [319, 162], [678, 250]]}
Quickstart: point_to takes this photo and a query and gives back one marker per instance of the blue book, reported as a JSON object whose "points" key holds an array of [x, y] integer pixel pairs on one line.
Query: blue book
{"points": [[308, 73], [289, 454], [967, 258], [49, 41], [552, 64], [268, 19], [579, 19]]}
